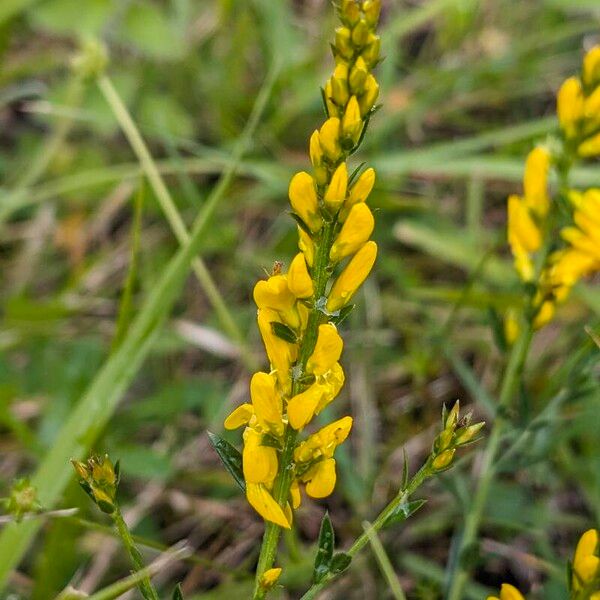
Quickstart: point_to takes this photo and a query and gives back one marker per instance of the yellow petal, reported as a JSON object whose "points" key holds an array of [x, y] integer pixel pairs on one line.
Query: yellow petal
{"points": [[240, 416], [264, 504], [545, 314], [259, 462], [587, 546], [306, 245], [336, 192], [522, 231], [332, 382], [274, 293], [352, 277], [266, 401], [352, 123], [591, 147], [320, 479], [510, 592], [535, 181], [569, 105], [295, 494], [281, 354], [315, 150], [591, 67], [356, 230], [362, 188], [328, 350], [269, 578], [301, 408], [304, 201], [329, 137], [299, 281], [367, 100]]}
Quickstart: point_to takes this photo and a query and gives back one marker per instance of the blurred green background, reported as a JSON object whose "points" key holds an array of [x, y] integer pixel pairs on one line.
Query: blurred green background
{"points": [[467, 87]]}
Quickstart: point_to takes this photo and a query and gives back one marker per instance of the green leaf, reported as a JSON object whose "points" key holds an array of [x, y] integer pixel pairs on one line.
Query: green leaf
{"points": [[230, 456], [343, 314], [403, 512], [300, 223], [284, 332], [340, 562], [177, 593], [355, 173], [325, 550]]}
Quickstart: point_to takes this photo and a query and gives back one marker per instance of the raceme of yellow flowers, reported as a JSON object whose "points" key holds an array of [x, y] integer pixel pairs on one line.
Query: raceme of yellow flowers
{"points": [[585, 572], [297, 310], [554, 266]]}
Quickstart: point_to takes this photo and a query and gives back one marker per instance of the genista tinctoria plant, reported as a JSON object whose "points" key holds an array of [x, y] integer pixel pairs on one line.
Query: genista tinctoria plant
{"points": [[298, 314]]}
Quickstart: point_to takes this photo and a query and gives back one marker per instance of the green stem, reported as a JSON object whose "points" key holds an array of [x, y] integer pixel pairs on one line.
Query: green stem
{"points": [[510, 380], [144, 584], [169, 208], [284, 479], [418, 478]]}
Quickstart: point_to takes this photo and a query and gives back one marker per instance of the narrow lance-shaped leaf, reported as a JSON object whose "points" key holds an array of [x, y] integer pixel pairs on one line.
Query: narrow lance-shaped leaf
{"points": [[325, 549], [230, 456], [403, 512]]}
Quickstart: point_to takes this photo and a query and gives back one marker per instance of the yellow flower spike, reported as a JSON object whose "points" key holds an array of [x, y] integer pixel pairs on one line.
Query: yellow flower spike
{"points": [[320, 479], [535, 181], [360, 191], [281, 353], [259, 462], [352, 123], [270, 577], [327, 352], [304, 201], [299, 281], [329, 136], [444, 459], [267, 402], [339, 84], [508, 592], [586, 563], [301, 408], [306, 246], [590, 148], [240, 416], [336, 192], [263, 503], [569, 105], [352, 277], [368, 99], [295, 495], [591, 67], [356, 230], [358, 76]]}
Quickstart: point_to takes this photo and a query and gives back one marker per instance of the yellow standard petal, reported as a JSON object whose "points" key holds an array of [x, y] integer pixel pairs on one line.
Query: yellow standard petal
{"points": [[304, 201], [320, 479], [356, 230], [586, 562], [266, 402], [535, 181], [301, 408], [329, 137], [263, 503], [336, 192], [352, 277], [360, 191], [240, 416], [274, 293], [281, 354], [352, 122], [269, 578], [591, 67], [569, 105], [295, 495], [259, 462], [327, 352], [323, 442], [510, 592], [299, 281]]}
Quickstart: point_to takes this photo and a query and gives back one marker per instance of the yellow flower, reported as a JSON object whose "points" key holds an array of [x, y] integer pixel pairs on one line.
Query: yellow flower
{"points": [[324, 442], [270, 577], [320, 479], [302, 407], [260, 499], [356, 230], [316, 158], [358, 76], [569, 105], [259, 462], [368, 98], [591, 67], [306, 246], [266, 402], [586, 562], [524, 236], [240, 416], [336, 192], [298, 279], [327, 352], [329, 137], [535, 181], [508, 592], [304, 201], [295, 495], [545, 314], [589, 148], [281, 354], [339, 84], [274, 293], [360, 191], [352, 277], [352, 122]]}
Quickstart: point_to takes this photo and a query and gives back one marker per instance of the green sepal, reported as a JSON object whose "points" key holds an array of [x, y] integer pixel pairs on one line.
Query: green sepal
{"points": [[230, 457], [403, 512], [355, 173], [324, 550], [343, 314], [268, 439], [105, 507], [300, 223], [284, 332]]}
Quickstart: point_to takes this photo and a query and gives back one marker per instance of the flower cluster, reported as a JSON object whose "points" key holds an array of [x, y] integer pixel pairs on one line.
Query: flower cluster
{"points": [[554, 265], [99, 478], [585, 572], [298, 310]]}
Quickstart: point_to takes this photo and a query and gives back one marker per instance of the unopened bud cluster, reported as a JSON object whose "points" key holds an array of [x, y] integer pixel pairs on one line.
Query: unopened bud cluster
{"points": [[99, 478], [456, 432], [298, 310]]}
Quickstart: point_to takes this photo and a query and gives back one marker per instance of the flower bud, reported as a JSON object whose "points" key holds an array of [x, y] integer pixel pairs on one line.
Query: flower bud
{"points": [[99, 479], [371, 9], [591, 67], [367, 100], [306, 246], [590, 148], [443, 460], [361, 189], [358, 76], [269, 578], [329, 136], [349, 12], [298, 279], [356, 230], [569, 105], [343, 42], [466, 434], [360, 33], [304, 201], [336, 192], [352, 123], [371, 53], [339, 84]]}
